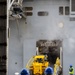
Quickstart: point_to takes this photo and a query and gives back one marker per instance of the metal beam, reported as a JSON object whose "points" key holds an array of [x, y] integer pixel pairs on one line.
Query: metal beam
{"points": [[10, 4]]}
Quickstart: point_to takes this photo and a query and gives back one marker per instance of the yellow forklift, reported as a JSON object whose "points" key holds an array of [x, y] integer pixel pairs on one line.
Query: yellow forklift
{"points": [[47, 55], [37, 64]]}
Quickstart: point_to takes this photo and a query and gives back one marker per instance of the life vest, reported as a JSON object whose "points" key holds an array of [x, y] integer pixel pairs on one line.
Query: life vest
{"points": [[71, 70]]}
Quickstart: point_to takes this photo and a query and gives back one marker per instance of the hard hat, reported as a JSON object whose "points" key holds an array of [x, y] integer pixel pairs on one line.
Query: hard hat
{"points": [[70, 65], [24, 72], [49, 70]]}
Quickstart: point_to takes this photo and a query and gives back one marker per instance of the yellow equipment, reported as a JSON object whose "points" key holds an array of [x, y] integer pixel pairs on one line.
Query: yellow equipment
{"points": [[38, 64], [57, 67]]}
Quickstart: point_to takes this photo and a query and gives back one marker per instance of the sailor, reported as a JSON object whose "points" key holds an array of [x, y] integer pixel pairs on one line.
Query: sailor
{"points": [[49, 71], [24, 72], [71, 70]]}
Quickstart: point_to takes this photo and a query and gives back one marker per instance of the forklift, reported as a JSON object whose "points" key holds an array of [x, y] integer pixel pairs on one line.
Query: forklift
{"points": [[47, 55]]}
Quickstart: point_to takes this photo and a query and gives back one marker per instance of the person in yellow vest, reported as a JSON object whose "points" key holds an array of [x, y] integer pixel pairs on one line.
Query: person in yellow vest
{"points": [[71, 70]]}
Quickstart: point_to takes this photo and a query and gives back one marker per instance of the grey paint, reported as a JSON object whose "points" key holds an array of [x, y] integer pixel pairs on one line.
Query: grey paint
{"points": [[23, 38]]}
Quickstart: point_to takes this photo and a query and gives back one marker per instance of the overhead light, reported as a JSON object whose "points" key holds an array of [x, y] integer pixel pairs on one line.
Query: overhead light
{"points": [[61, 25], [17, 16]]}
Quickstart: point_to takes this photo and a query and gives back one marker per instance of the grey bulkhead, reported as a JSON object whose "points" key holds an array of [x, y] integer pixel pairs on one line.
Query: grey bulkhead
{"points": [[22, 41]]}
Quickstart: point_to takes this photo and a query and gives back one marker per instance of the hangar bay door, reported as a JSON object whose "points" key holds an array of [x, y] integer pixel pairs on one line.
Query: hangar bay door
{"points": [[52, 49]]}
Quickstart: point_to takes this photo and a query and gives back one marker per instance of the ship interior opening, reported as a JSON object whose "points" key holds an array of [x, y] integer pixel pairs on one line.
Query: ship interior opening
{"points": [[50, 48]]}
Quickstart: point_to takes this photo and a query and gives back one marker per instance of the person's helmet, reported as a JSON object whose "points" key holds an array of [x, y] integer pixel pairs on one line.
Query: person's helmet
{"points": [[49, 70], [24, 72], [70, 65]]}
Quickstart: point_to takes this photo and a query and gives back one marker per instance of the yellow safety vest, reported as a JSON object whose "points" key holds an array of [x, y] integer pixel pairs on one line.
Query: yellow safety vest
{"points": [[71, 70]]}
